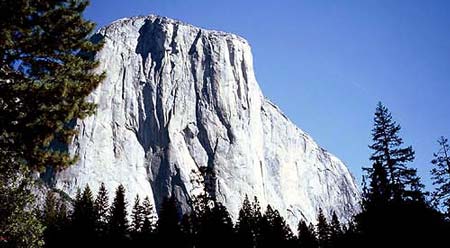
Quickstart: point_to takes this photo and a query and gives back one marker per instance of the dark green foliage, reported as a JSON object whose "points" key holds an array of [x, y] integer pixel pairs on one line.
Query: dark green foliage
{"points": [[101, 207], [307, 237], [323, 231], [46, 72], [394, 212], [142, 226], [247, 226], [168, 224], [378, 191], [395, 224], [137, 216], [148, 224], [441, 176], [214, 226], [18, 223], [209, 222], [56, 220], [118, 222], [83, 217], [50, 209], [49, 219], [350, 236], [208, 181], [45, 75], [274, 231], [205, 181], [336, 232]]}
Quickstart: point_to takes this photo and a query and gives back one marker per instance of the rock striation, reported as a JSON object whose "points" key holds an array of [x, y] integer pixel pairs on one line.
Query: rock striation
{"points": [[177, 98]]}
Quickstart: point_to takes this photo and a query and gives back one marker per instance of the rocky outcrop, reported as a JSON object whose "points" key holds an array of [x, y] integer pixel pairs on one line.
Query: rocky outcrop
{"points": [[176, 98]]}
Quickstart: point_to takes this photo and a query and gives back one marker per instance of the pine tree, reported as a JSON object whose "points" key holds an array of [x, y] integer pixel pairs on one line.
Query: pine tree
{"points": [[336, 232], [323, 230], [148, 225], [50, 220], [137, 216], [18, 223], [143, 223], [87, 201], [441, 176], [83, 217], [350, 236], [21, 228], [46, 73], [55, 219], [215, 227], [274, 231], [77, 205], [395, 212], [378, 191], [388, 152], [101, 206], [168, 229], [62, 216], [221, 222], [204, 187], [118, 222], [307, 235], [247, 226], [50, 214]]}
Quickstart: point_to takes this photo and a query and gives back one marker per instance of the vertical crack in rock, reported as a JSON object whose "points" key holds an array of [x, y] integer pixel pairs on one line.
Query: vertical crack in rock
{"points": [[154, 135], [211, 87], [244, 73], [200, 89], [151, 46]]}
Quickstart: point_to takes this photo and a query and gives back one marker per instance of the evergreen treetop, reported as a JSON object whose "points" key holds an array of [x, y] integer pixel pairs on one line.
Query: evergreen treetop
{"points": [[46, 73], [101, 205], [247, 226], [307, 235], [149, 221], [137, 215], [273, 230], [388, 152], [323, 230], [118, 222]]}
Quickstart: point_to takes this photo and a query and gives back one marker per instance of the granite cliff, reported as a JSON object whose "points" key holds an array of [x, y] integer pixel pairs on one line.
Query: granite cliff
{"points": [[176, 98]]}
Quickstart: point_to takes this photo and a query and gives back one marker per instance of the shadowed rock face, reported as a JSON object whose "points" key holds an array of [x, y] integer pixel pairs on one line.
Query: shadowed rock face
{"points": [[177, 98]]}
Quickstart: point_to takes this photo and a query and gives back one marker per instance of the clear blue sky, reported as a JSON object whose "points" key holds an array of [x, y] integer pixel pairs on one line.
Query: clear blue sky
{"points": [[327, 63]]}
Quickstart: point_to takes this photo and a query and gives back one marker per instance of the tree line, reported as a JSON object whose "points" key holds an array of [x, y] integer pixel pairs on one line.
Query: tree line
{"points": [[395, 211], [93, 222]]}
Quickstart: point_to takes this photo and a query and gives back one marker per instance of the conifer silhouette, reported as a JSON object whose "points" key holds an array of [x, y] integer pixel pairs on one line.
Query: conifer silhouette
{"points": [[441, 176], [403, 183], [118, 222], [101, 205], [307, 237]]}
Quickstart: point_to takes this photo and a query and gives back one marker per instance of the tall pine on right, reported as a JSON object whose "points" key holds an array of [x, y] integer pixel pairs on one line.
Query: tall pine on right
{"points": [[390, 160]]}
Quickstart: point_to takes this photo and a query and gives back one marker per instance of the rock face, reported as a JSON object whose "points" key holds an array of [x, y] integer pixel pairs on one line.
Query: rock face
{"points": [[176, 98]]}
